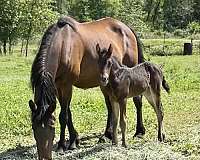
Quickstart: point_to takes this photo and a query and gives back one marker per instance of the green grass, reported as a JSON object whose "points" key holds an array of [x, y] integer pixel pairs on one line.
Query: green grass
{"points": [[182, 106]]}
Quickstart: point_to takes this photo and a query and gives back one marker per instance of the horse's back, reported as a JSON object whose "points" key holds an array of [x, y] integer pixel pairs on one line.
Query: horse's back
{"points": [[108, 31]]}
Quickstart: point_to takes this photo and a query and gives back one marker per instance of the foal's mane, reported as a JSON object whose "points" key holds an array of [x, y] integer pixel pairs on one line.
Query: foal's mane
{"points": [[41, 78]]}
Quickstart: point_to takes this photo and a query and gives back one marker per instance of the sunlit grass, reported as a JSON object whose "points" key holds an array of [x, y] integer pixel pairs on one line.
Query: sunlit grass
{"points": [[182, 106]]}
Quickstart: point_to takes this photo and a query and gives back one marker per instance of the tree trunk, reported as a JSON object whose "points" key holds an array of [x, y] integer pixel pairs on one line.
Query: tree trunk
{"points": [[10, 46], [22, 46], [4, 47], [27, 42], [0, 51]]}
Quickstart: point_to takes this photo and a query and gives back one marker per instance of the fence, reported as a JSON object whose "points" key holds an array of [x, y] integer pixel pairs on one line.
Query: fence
{"points": [[169, 48]]}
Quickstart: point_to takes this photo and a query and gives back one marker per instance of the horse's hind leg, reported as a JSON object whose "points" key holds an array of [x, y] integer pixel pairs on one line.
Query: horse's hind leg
{"points": [[65, 118], [140, 130]]}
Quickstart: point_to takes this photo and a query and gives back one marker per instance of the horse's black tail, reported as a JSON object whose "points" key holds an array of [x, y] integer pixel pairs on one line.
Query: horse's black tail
{"points": [[165, 85], [140, 49]]}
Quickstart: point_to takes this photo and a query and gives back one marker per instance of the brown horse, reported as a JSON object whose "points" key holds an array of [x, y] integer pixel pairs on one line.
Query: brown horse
{"points": [[67, 56], [122, 82]]}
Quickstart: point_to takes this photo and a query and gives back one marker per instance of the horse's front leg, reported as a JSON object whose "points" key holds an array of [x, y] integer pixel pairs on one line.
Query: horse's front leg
{"points": [[65, 118], [140, 130], [108, 130]]}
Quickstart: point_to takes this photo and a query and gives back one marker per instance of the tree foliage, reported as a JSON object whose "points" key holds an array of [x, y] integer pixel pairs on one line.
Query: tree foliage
{"points": [[24, 19]]}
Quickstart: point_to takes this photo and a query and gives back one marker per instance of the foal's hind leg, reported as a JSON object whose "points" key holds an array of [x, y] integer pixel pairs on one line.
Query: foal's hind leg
{"points": [[154, 99], [140, 130], [65, 118]]}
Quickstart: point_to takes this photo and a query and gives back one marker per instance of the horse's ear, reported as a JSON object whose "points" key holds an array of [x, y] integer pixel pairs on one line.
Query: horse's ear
{"points": [[32, 106], [110, 50], [98, 49]]}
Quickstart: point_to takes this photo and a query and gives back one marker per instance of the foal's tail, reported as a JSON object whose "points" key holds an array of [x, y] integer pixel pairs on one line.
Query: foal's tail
{"points": [[165, 85]]}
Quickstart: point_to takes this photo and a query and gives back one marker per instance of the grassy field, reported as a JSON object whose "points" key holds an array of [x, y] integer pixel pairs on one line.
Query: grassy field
{"points": [[181, 107]]}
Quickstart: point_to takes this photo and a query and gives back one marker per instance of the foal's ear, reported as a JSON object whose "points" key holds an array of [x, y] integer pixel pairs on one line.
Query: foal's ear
{"points": [[110, 50], [98, 49], [32, 106]]}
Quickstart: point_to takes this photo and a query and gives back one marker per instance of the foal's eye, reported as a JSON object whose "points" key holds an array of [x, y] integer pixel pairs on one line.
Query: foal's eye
{"points": [[109, 63]]}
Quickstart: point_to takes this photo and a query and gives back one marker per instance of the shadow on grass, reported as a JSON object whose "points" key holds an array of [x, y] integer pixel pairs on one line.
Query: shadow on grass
{"points": [[30, 152]]}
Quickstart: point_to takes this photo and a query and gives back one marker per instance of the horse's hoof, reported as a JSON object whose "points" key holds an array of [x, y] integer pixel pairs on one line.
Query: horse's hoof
{"points": [[124, 145], [140, 132], [140, 135], [108, 135], [72, 146], [102, 140], [61, 147]]}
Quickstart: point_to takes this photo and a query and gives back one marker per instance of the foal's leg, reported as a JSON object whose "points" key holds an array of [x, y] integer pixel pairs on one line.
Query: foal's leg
{"points": [[122, 105], [65, 118], [154, 99], [115, 119], [140, 130]]}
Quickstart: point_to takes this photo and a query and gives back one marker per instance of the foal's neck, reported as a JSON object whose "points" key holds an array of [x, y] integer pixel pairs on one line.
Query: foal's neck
{"points": [[115, 69]]}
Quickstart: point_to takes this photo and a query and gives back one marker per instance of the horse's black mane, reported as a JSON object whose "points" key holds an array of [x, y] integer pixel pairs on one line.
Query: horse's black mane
{"points": [[41, 78]]}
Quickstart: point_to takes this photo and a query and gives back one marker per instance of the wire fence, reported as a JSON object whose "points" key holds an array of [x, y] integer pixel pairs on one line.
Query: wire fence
{"points": [[163, 49]]}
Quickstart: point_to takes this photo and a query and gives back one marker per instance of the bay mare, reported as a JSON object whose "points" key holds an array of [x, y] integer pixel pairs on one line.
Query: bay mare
{"points": [[67, 57]]}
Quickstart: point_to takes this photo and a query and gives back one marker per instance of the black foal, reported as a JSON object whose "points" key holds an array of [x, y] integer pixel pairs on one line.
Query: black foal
{"points": [[122, 82]]}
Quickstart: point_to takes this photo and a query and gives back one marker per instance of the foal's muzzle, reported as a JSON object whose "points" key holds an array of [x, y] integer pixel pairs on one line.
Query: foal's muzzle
{"points": [[104, 79]]}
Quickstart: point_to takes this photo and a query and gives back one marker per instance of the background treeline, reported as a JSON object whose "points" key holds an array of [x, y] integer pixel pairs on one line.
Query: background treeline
{"points": [[25, 19]]}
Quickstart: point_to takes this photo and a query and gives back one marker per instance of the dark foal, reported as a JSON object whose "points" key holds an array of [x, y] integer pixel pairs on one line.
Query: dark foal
{"points": [[122, 82]]}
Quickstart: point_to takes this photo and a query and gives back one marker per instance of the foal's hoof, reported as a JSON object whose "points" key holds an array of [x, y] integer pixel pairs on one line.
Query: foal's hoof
{"points": [[115, 144], [161, 138]]}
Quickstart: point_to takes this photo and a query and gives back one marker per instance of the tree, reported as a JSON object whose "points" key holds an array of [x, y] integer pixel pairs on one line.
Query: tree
{"points": [[36, 16], [131, 13], [177, 14], [196, 10], [9, 20]]}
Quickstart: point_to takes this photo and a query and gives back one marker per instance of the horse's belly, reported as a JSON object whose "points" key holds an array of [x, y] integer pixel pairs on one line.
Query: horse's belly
{"points": [[86, 83], [88, 78]]}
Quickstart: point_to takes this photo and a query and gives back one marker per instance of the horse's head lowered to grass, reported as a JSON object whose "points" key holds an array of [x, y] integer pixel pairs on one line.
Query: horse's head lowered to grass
{"points": [[43, 119], [44, 131]]}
